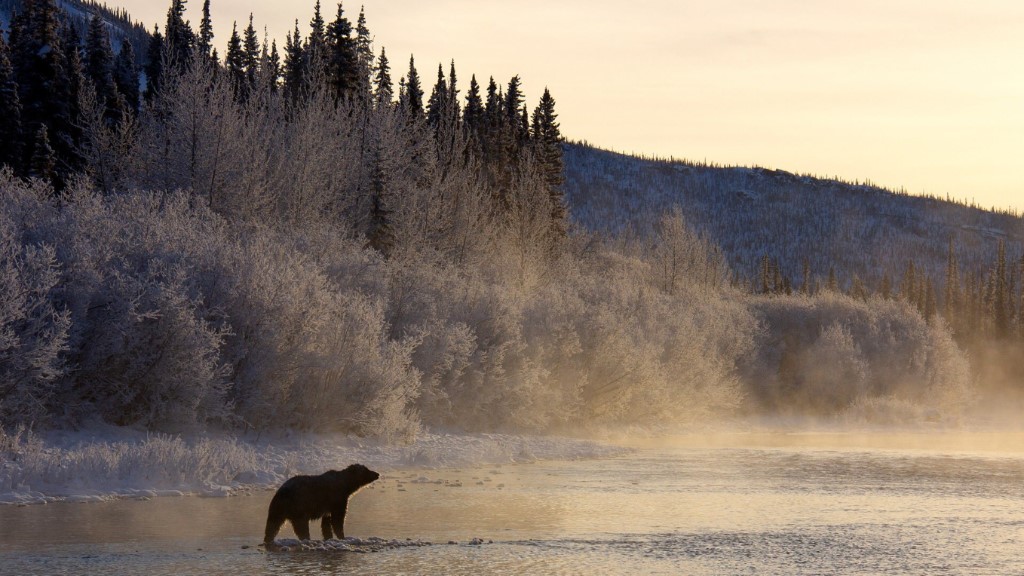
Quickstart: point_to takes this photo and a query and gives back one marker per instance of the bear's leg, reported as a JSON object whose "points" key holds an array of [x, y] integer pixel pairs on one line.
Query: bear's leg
{"points": [[338, 522], [274, 521], [325, 526], [301, 527]]}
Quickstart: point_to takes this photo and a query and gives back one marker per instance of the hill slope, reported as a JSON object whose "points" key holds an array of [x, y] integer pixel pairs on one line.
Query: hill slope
{"points": [[78, 13], [753, 212]]}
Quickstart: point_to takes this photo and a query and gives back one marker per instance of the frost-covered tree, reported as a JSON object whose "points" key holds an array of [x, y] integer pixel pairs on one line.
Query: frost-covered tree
{"points": [[204, 39], [413, 92], [126, 76], [342, 60], [11, 138], [382, 88]]}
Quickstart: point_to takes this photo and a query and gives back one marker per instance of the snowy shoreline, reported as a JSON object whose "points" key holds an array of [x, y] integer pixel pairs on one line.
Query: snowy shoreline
{"points": [[111, 463]]}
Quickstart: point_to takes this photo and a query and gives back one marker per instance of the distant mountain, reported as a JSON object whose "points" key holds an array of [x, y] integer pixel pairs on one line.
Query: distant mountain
{"points": [[78, 13], [755, 212]]}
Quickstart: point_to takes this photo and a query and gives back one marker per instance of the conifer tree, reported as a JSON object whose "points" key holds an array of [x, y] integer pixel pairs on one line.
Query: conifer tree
{"points": [[413, 91], [805, 286], [11, 137], [885, 287], [126, 76], [294, 66], [513, 98], [547, 141], [271, 65], [438, 103], [99, 69], [43, 162], [453, 91], [66, 127], [315, 51], [204, 42], [1000, 297], [930, 307], [951, 299], [908, 288], [382, 90], [380, 235], [154, 63], [833, 283], [513, 104], [234, 62], [179, 39], [364, 52], [251, 51], [342, 61], [765, 275], [473, 114]]}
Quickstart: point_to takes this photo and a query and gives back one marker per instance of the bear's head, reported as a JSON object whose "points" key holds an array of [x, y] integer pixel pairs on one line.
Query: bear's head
{"points": [[359, 475]]}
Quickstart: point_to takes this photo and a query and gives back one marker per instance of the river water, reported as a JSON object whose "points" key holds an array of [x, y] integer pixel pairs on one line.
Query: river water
{"points": [[735, 504]]}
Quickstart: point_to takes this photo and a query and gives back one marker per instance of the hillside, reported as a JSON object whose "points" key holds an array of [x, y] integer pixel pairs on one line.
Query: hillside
{"points": [[78, 12], [753, 212]]}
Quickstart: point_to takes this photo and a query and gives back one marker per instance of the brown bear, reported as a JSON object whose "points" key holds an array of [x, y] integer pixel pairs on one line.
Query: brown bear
{"points": [[304, 498]]}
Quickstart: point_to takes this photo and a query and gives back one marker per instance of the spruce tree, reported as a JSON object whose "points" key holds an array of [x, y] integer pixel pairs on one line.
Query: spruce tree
{"points": [[547, 146], [294, 66], [272, 66], [513, 103], [204, 42], [1000, 297], [413, 91], [438, 103], [473, 114], [315, 52], [179, 38], [99, 69], [154, 67], [11, 137], [43, 163], [885, 287], [380, 234], [364, 53], [126, 75], [251, 57], [382, 90], [951, 299], [67, 128], [234, 62], [805, 285], [833, 282], [342, 61]]}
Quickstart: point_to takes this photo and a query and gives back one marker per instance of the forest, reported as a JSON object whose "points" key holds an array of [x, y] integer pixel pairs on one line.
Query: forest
{"points": [[286, 238]]}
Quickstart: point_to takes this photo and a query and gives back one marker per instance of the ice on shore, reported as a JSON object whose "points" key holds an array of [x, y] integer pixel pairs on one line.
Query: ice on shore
{"points": [[108, 463]]}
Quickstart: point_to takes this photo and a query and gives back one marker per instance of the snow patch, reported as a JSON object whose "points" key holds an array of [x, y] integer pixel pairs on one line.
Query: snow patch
{"points": [[108, 462]]}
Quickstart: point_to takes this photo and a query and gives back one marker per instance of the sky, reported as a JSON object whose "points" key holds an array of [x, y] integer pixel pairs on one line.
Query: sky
{"points": [[921, 95]]}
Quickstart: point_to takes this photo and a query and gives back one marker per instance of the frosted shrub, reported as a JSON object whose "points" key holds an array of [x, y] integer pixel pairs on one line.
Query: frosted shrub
{"points": [[307, 354], [33, 324], [148, 345], [152, 360], [832, 369], [830, 351]]}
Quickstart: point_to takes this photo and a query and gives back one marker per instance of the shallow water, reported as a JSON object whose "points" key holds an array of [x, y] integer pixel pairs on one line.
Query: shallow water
{"points": [[781, 504]]}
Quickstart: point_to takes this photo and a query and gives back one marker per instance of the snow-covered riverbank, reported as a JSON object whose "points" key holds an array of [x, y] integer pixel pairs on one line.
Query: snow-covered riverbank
{"points": [[108, 462]]}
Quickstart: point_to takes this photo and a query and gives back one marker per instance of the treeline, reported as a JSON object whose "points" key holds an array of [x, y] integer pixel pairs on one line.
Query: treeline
{"points": [[980, 305], [69, 108]]}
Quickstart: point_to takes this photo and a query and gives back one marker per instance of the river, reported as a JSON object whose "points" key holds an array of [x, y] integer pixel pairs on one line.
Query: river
{"points": [[728, 504]]}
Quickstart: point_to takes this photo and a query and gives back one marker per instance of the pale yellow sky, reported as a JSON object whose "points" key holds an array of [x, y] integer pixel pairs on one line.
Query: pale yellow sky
{"points": [[927, 95]]}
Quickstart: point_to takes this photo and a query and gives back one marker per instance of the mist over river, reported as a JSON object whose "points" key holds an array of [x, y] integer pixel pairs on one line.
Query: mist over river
{"points": [[916, 503]]}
